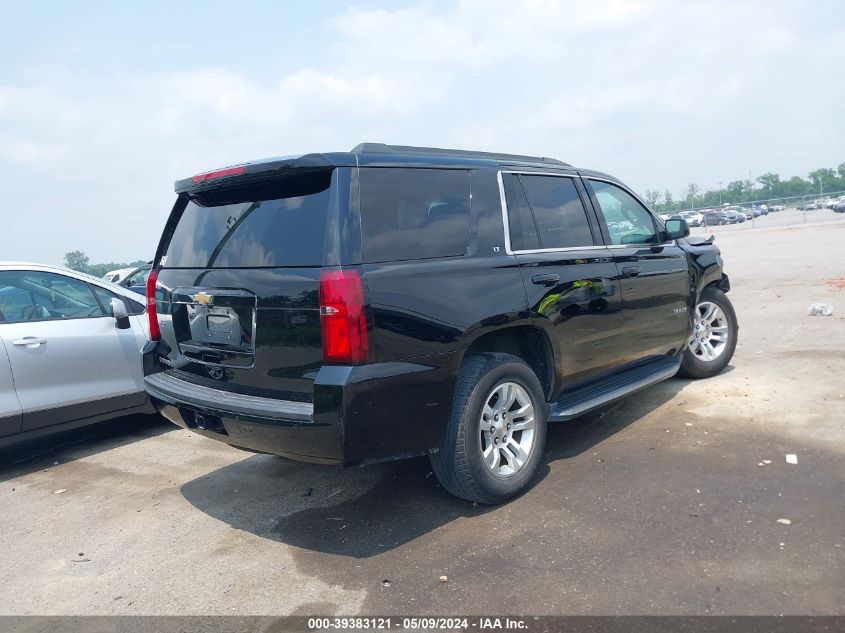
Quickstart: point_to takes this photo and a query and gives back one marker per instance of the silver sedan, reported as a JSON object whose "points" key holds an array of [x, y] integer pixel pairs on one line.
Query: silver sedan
{"points": [[70, 351]]}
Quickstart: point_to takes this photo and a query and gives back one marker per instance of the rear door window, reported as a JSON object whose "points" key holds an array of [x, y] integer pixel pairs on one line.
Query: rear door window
{"points": [[282, 223], [558, 218], [523, 230], [414, 213]]}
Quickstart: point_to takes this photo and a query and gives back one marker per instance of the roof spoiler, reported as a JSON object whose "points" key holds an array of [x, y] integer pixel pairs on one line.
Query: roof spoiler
{"points": [[254, 170]]}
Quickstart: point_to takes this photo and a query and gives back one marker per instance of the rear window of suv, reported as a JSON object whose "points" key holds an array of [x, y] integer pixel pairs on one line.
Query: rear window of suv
{"points": [[281, 223], [413, 213]]}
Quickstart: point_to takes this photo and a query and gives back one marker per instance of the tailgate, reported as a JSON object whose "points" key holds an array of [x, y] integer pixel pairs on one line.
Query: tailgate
{"points": [[237, 287]]}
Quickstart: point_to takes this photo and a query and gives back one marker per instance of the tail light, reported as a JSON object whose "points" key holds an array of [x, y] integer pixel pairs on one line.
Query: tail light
{"points": [[219, 173], [152, 314], [343, 322]]}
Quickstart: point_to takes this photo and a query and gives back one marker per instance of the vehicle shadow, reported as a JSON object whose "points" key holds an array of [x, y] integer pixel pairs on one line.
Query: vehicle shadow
{"points": [[362, 512], [67, 446]]}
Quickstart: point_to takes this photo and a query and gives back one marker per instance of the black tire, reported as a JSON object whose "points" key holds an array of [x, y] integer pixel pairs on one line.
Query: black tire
{"points": [[692, 365], [459, 464]]}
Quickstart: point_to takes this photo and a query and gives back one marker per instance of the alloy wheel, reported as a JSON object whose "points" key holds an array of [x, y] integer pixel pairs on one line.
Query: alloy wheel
{"points": [[506, 429], [710, 332]]}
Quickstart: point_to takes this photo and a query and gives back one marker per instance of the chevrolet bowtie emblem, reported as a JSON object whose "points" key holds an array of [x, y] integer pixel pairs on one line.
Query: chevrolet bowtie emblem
{"points": [[203, 298]]}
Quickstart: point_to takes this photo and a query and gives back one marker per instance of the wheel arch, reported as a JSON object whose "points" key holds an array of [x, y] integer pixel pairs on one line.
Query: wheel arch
{"points": [[528, 342]]}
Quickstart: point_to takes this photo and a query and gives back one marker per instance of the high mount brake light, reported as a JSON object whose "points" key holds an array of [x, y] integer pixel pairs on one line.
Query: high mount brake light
{"points": [[343, 321], [219, 173], [152, 314]]}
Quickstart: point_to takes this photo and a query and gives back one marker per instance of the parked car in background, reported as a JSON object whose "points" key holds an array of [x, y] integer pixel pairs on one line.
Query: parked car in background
{"points": [[361, 306], [776, 208], [734, 214], [136, 281], [808, 206], [70, 351], [717, 218], [116, 276], [693, 218], [839, 208]]}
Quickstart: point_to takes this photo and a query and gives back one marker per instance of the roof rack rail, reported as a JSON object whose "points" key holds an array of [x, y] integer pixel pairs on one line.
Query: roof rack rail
{"points": [[383, 148]]}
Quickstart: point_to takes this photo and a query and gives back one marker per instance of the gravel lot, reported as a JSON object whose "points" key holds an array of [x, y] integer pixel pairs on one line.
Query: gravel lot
{"points": [[657, 505]]}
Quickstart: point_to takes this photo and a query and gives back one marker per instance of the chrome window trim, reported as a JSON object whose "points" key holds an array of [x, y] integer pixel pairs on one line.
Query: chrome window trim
{"points": [[642, 245], [565, 249], [508, 249], [504, 205], [538, 173]]}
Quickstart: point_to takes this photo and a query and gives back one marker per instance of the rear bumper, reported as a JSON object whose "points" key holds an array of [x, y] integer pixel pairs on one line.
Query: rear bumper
{"points": [[359, 414], [171, 389], [281, 427]]}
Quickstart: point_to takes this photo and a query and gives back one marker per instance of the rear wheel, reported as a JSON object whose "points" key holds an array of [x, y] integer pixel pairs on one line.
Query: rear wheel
{"points": [[713, 340], [495, 437]]}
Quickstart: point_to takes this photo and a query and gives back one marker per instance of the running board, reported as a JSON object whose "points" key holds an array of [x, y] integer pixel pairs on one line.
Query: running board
{"points": [[583, 399]]}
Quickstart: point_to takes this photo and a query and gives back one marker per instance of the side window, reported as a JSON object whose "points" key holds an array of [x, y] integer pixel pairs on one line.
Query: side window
{"points": [[413, 213], [138, 278], [15, 304], [39, 296], [558, 218], [628, 221], [105, 297], [523, 231]]}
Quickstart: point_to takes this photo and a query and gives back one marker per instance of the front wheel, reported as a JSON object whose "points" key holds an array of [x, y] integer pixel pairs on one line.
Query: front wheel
{"points": [[495, 437], [713, 340]]}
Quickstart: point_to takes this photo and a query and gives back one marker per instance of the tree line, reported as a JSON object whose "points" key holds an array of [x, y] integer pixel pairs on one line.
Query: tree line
{"points": [[80, 262], [766, 187]]}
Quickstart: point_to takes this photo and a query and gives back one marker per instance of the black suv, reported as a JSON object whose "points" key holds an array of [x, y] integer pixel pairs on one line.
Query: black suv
{"points": [[390, 301]]}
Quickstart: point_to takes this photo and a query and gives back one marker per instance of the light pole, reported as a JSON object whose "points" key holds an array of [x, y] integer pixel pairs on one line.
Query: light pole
{"points": [[720, 192], [751, 204]]}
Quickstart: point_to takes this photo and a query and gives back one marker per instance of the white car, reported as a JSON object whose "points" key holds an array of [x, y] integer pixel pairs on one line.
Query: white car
{"points": [[70, 351], [116, 276], [693, 218]]}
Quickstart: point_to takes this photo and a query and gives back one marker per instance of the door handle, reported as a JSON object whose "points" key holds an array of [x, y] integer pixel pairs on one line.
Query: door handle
{"points": [[548, 279], [30, 341], [631, 271]]}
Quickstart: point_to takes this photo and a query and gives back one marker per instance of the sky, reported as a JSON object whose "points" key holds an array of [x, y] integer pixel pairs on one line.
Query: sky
{"points": [[104, 104]]}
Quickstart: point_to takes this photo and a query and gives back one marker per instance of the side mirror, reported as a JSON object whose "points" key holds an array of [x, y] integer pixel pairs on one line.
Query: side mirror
{"points": [[676, 227], [120, 314]]}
